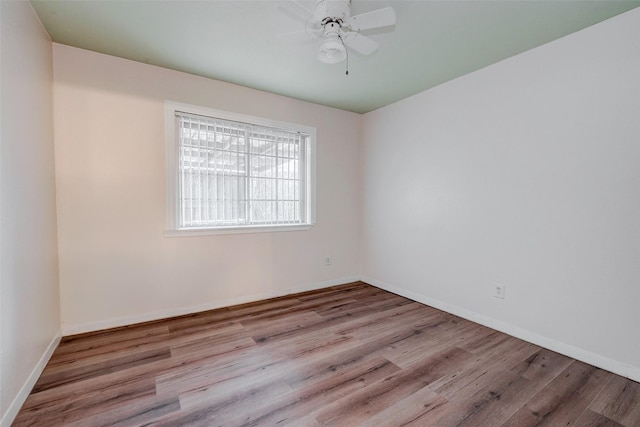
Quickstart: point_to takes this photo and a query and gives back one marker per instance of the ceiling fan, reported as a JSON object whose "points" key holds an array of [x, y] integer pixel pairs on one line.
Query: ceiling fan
{"points": [[331, 21]]}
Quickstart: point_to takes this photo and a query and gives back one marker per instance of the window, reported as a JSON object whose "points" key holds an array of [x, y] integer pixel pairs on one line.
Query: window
{"points": [[232, 173]]}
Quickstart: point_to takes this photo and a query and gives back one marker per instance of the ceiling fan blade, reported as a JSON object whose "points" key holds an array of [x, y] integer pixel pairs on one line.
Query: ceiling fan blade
{"points": [[301, 6], [297, 36], [299, 12], [359, 43], [295, 10], [374, 19]]}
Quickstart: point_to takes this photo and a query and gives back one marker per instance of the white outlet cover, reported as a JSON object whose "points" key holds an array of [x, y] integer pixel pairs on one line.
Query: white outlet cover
{"points": [[499, 291]]}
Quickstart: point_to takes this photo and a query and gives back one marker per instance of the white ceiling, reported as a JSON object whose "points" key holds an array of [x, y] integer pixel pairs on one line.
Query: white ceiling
{"points": [[236, 41]]}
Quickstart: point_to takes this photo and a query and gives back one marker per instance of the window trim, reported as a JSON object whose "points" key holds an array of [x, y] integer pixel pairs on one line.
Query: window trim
{"points": [[171, 171]]}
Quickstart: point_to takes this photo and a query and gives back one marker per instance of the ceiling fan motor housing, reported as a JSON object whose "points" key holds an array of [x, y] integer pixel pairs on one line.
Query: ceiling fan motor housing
{"points": [[332, 27]]}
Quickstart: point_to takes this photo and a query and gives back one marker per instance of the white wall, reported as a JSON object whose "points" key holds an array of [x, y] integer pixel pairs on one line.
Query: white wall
{"points": [[29, 314], [525, 173], [115, 265]]}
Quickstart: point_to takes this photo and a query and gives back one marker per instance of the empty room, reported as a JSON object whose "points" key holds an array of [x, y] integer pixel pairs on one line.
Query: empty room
{"points": [[319, 213]]}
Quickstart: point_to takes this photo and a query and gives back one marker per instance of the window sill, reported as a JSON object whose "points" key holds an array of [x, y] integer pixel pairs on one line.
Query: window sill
{"points": [[191, 232]]}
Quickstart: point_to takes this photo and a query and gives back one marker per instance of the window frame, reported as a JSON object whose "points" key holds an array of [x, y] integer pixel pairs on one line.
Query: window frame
{"points": [[172, 147]]}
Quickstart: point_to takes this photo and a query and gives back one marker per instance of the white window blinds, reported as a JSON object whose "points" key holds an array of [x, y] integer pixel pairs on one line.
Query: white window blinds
{"points": [[234, 174]]}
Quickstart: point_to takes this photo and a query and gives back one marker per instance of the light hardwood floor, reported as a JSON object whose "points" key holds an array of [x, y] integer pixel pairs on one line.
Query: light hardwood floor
{"points": [[343, 356]]}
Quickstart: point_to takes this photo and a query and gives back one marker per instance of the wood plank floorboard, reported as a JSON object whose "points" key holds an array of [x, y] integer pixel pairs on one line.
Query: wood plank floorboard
{"points": [[349, 355]]}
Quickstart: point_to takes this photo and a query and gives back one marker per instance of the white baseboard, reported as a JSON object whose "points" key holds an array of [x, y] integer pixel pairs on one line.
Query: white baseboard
{"points": [[603, 362], [598, 360], [73, 329], [18, 401]]}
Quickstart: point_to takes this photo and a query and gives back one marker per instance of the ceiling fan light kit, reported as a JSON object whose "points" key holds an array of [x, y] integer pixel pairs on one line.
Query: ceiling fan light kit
{"points": [[332, 51], [332, 22]]}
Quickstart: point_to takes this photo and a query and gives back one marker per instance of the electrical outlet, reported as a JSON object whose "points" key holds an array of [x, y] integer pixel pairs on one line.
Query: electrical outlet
{"points": [[327, 261], [499, 290]]}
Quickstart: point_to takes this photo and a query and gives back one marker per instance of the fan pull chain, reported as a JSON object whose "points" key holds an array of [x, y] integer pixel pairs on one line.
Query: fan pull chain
{"points": [[347, 72], [346, 51]]}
